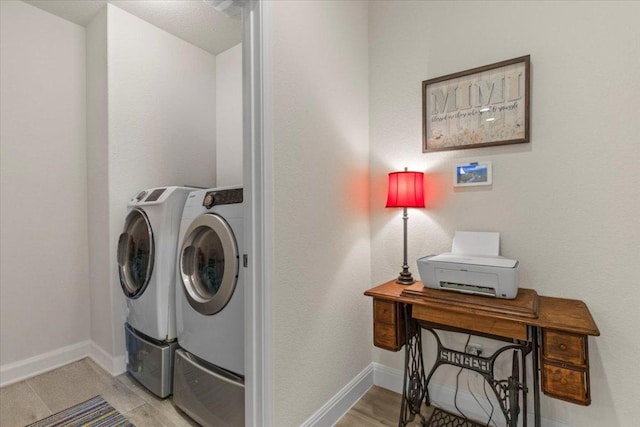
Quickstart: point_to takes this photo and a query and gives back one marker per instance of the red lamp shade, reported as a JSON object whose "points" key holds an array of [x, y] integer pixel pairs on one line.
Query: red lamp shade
{"points": [[406, 190]]}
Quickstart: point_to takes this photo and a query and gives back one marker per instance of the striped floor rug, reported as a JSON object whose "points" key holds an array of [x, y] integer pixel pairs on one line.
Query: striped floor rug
{"points": [[95, 412]]}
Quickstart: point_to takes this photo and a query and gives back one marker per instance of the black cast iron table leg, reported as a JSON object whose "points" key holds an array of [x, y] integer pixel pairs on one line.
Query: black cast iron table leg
{"points": [[507, 392], [524, 389], [415, 383], [414, 387], [536, 375]]}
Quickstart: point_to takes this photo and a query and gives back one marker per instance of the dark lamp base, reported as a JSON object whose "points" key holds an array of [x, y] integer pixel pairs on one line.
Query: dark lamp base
{"points": [[405, 278]]}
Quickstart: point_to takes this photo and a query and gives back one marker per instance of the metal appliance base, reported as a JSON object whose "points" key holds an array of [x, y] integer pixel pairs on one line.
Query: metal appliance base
{"points": [[208, 394], [150, 361]]}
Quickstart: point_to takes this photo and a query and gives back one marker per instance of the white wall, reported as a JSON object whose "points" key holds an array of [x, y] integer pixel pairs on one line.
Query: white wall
{"points": [[98, 182], [161, 131], [44, 274], [566, 203], [144, 117], [229, 117], [321, 321]]}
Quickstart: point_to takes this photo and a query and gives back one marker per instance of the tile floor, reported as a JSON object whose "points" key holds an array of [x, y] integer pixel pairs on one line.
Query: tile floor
{"points": [[38, 397]]}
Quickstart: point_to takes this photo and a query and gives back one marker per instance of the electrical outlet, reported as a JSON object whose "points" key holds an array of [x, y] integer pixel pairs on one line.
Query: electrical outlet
{"points": [[474, 349]]}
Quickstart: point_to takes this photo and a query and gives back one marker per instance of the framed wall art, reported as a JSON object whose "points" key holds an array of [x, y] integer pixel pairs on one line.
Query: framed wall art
{"points": [[473, 174], [481, 107]]}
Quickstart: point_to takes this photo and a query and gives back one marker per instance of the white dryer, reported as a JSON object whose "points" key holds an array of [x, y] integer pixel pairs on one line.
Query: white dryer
{"points": [[209, 366], [146, 264]]}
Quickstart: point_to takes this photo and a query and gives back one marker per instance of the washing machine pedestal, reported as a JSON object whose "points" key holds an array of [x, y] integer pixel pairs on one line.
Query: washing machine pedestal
{"points": [[150, 362], [208, 394]]}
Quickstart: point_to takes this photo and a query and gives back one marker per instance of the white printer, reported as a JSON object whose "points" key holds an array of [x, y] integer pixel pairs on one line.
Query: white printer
{"points": [[473, 267]]}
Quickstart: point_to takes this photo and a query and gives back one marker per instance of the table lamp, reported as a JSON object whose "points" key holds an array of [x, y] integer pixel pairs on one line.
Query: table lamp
{"points": [[406, 190]]}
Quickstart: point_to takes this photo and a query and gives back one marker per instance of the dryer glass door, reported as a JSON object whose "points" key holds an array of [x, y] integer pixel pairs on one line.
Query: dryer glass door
{"points": [[209, 263], [135, 254]]}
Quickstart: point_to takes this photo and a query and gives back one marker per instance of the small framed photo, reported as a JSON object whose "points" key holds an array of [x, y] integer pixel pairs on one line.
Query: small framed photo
{"points": [[473, 174]]}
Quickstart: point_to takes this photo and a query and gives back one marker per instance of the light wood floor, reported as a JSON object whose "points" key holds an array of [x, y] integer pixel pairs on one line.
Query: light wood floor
{"points": [[378, 407]]}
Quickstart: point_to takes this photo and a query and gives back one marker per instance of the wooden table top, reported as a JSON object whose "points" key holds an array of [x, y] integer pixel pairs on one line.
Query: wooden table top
{"points": [[566, 315]]}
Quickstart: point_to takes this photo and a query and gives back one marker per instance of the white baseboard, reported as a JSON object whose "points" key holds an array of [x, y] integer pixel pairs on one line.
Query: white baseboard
{"points": [[443, 397], [21, 370], [340, 404], [113, 365], [386, 377]]}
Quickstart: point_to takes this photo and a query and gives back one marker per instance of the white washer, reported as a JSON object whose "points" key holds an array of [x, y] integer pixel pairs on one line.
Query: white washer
{"points": [[209, 367], [146, 264]]}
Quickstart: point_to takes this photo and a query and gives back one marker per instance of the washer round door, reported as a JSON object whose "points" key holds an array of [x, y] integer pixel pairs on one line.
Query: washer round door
{"points": [[135, 254], [209, 263]]}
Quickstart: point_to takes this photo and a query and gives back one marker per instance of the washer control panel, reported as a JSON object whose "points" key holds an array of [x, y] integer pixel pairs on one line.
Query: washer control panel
{"points": [[140, 195], [222, 197]]}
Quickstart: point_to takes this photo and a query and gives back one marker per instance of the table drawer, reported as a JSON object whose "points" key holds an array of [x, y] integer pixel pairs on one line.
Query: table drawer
{"points": [[388, 325], [564, 347], [385, 311], [386, 336], [566, 383]]}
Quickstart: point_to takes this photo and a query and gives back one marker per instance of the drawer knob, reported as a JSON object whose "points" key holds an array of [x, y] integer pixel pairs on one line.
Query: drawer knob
{"points": [[563, 381], [563, 347]]}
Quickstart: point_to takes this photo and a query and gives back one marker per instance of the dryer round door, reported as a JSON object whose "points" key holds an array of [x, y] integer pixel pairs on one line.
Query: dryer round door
{"points": [[209, 263], [135, 254]]}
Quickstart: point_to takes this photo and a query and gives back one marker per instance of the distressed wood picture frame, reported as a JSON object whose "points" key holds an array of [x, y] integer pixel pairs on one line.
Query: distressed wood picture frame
{"points": [[480, 107]]}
